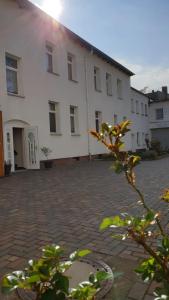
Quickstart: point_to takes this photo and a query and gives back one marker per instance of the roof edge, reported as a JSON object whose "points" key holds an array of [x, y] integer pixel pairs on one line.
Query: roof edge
{"points": [[139, 92], [29, 5]]}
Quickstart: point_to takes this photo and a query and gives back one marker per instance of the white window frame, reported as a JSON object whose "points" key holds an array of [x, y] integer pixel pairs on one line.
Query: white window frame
{"points": [[71, 67], [98, 120], [137, 107], [109, 84], [74, 117], [97, 79], [138, 138], [16, 70], [115, 119], [119, 88], [142, 109], [146, 110], [132, 106], [49, 53], [56, 113], [159, 113]]}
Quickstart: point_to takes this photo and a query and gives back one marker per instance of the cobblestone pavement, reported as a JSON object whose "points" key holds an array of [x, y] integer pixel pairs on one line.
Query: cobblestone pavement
{"points": [[66, 204]]}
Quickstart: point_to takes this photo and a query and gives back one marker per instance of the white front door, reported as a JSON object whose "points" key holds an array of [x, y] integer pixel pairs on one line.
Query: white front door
{"points": [[31, 148], [9, 148]]}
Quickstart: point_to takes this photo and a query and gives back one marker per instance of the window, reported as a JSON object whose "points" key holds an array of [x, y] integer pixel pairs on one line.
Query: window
{"points": [[98, 120], [54, 120], [71, 63], [97, 82], [109, 84], [146, 111], [143, 139], [115, 120], [119, 89], [12, 72], [49, 58], [137, 107], [132, 105], [142, 109], [138, 139], [159, 114], [74, 119], [124, 118]]}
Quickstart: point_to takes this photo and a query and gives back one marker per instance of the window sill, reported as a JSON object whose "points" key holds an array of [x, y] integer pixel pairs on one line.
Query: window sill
{"points": [[16, 95], [99, 91], [75, 134], [55, 134], [120, 98], [109, 95], [73, 80], [53, 73]]}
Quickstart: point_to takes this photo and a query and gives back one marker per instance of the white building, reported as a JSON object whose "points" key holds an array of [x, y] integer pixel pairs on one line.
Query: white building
{"points": [[54, 87], [140, 120], [159, 116]]}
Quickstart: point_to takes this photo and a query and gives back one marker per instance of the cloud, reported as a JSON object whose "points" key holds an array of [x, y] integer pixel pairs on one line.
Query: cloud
{"points": [[153, 77]]}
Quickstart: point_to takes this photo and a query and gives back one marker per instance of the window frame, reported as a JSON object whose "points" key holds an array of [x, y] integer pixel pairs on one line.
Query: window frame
{"points": [[74, 116], [132, 106], [137, 107], [115, 119], [49, 53], [109, 89], [71, 65], [119, 88], [157, 113], [98, 120], [13, 69], [138, 138], [56, 113], [97, 79]]}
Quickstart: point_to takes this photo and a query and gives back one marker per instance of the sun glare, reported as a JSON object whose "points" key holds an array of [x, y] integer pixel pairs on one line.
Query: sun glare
{"points": [[52, 7]]}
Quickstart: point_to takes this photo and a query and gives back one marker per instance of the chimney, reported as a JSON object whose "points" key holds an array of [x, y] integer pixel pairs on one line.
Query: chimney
{"points": [[164, 90]]}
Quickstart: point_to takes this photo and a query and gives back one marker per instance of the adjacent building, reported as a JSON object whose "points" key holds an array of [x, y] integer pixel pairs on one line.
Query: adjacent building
{"points": [[159, 116], [55, 87]]}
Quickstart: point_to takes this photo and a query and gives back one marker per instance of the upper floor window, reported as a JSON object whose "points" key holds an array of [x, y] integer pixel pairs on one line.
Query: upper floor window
{"points": [[74, 119], [97, 81], [109, 84], [146, 111], [115, 119], [119, 89], [132, 106], [159, 114], [71, 61], [49, 58], [142, 109], [12, 74], [137, 107], [98, 120], [54, 118]]}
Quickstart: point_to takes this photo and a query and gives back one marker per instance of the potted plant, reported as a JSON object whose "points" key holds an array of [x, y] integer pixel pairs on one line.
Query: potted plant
{"points": [[7, 167], [46, 152], [146, 229], [46, 278]]}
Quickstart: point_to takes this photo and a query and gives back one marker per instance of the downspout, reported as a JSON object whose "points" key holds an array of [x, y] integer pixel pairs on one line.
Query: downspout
{"points": [[87, 107]]}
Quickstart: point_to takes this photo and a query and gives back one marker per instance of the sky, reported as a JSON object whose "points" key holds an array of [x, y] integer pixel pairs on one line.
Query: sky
{"points": [[133, 32]]}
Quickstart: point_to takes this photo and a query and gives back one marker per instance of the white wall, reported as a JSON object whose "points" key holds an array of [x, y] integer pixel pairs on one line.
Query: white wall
{"points": [[154, 123], [24, 33], [140, 123]]}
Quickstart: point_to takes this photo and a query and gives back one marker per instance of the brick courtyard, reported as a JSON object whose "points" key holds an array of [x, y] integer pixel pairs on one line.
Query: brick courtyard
{"points": [[66, 204]]}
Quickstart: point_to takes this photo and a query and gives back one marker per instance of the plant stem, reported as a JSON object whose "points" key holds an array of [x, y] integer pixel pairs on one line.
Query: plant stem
{"points": [[148, 249], [145, 205]]}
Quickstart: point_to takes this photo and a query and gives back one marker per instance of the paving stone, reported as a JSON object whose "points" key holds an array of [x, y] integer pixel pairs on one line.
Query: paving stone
{"points": [[138, 291], [66, 206]]}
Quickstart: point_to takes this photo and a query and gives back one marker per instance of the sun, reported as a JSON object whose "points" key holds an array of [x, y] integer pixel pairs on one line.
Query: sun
{"points": [[52, 7]]}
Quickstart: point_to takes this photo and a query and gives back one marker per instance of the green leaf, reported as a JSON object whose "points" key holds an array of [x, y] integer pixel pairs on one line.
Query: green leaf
{"points": [[118, 167], [112, 222], [102, 275], [33, 278], [82, 253]]}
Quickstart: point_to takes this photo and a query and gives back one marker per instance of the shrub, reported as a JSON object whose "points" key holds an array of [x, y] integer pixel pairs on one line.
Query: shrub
{"points": [[148, 154], [145, 229], [156, 145]]}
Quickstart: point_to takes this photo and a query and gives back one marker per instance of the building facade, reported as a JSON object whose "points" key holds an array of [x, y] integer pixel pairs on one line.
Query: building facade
{"points": [[54, 88], [159, 116]]}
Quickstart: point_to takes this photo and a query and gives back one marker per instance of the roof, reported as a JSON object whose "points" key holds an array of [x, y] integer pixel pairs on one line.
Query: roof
{"points": [[29, 5], [139, 92]]}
